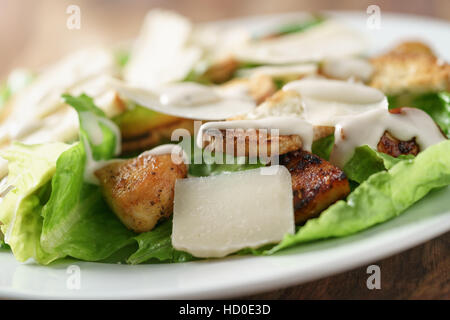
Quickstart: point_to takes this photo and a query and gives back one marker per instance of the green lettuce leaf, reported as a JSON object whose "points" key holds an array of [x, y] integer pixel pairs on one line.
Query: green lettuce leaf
{"points": [[301, 26], [204, 170], [437, 105], [77, 221], [88, 113], [30, 171], [366, 162], [383, 196], [156, 245], [323, 147], [3, 245], [293, 27]]}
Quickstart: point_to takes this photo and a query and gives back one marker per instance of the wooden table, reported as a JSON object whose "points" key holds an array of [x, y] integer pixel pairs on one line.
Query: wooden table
{"points": [[419, 273], [34, 33]]}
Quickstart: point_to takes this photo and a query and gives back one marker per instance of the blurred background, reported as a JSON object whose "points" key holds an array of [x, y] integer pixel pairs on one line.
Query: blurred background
{"points": [[34, 33]]}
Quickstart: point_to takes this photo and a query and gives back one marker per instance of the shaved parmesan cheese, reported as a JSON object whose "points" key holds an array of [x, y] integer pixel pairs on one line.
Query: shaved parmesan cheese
{"points": [[348, 68], [327, 101], [219, 215], [38, 114], [162, 53], [326, 40], [190, 100], [281, 71]]}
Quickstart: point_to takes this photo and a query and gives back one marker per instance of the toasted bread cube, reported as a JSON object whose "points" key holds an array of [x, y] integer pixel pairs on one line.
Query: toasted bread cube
{"points": [[411, 67]]}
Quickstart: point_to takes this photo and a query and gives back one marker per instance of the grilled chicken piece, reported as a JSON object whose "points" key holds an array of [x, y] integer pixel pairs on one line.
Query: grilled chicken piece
{"points": [[222, 70], [411, 67], [249, 142], [140, 191], [260, 87], [394, 147], [316, 183], [154, 136], [284, 103]]}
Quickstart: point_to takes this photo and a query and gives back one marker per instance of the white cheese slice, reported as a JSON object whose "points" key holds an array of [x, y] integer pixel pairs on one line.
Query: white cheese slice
{"points": [[284, 71], [163, 52], [39, 114], [219, 215], [329, 39], [43, 96]]}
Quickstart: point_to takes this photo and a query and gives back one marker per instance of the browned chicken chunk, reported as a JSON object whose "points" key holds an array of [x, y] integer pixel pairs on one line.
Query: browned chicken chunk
{"points": [[394, 147], [222, 70], [140, 191], [316, 183], [154, 136], [251, 142]]}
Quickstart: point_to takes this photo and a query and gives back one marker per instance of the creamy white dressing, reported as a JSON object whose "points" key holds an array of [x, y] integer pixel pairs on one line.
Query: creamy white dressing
{"points": [[348, 68], [187, 95], [369, 127], [191, 100], [285, 125], [326, 101], [177, 152], [91, 124]]}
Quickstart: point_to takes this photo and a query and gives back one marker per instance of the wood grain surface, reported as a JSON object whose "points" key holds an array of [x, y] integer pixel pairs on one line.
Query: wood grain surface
{"points": [[34, 33], [419, 273]]}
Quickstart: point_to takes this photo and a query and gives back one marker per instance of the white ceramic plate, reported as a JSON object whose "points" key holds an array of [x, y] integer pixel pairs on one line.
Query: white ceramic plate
{"points": [[239, 276]]}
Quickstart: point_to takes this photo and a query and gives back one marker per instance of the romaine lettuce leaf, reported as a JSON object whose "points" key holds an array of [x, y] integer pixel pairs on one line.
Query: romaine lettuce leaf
{"points": [[366, 161], [90, 116], [323, 147], [77, 221], [204, 170], [300, 26], [381, 197], [3, 245], [30, 170], [156, 245], [292, 27]]}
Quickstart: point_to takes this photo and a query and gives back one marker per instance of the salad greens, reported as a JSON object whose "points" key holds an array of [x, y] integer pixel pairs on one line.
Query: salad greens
{"points": [[381, 197], [52, 212], [30, 171], [77, 221], [437, 105], [366, 161], [157, 245], [300, 27], [294, 27], [239, 164], [323, 147]]}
